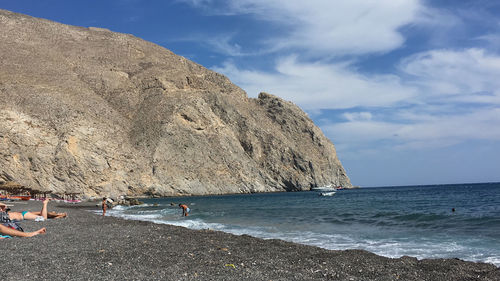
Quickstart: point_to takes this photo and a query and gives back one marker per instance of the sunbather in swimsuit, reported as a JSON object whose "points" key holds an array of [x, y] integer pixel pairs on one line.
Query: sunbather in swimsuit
{"points": [[38, 216]]}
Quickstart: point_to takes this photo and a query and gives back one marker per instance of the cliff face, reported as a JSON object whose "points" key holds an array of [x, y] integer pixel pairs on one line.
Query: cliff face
{"points": [[103, 113]]}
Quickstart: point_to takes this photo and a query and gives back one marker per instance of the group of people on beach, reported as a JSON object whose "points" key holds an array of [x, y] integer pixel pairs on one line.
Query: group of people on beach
{"points": [[107, 203], [9, 220]]}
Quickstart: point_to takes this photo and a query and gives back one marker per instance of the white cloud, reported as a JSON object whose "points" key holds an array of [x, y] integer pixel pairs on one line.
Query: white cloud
{"points": [[361, 131], [491, 38], [325, 27], [356, 116], [446, 82], [196, 3], [479, 125], [469, 75], [431, 84], [320, 85], [421, 131], [441, 83], [222, 44], [435, 99]]}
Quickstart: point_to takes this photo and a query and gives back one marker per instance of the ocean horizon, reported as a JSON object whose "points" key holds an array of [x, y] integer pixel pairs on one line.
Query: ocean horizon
{"points": [[424, 221]]}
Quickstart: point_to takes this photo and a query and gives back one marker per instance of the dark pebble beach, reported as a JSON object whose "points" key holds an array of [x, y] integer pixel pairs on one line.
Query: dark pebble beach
{"points": [[86, 246]]}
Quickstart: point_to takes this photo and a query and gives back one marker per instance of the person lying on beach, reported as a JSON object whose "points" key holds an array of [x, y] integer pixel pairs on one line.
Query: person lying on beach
{"points": [[185, 209], [26, 215], [7, 232]]}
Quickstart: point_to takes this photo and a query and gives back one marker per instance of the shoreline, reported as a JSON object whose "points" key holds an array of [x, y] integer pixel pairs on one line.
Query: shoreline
{"points": [[87, 246]]}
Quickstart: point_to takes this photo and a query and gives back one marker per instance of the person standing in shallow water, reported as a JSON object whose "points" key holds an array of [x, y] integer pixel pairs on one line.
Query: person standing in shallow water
{"points": [[185, 210], [104, 206]]}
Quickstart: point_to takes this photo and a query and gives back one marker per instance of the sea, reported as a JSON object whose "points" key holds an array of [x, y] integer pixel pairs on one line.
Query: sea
{"points": [[433, 221]]}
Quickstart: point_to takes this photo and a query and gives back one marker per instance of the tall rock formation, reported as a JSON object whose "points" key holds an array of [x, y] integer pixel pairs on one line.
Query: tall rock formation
{"points": [[103, 113]]}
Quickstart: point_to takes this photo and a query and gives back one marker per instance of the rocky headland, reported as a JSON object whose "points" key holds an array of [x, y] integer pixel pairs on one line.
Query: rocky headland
{"points": [[90, 111]]}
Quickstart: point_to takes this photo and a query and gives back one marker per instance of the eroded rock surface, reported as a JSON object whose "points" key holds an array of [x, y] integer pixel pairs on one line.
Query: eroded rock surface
{"points": [[103, 113]]}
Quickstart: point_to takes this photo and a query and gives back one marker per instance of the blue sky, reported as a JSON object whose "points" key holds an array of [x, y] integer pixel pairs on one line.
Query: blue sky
{"points": [[407, 90]]}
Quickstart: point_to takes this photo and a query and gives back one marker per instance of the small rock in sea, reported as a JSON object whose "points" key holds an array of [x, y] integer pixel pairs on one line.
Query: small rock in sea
{"points": [[130, 202]]}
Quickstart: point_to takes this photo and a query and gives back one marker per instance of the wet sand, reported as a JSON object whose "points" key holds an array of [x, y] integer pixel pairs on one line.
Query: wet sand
{"points": [[86, 246]]}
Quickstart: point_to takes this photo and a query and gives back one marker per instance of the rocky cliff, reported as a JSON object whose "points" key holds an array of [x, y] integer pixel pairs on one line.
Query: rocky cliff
{"points": [[103, 113]]}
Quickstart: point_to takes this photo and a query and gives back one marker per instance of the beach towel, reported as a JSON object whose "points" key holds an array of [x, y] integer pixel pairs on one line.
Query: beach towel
{"points": [[4, 217], [6, 221], [13, 225]]}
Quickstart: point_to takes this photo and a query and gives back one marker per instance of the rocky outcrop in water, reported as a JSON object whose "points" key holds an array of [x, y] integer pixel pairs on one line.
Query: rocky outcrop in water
{"points": [[103, 113]]}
